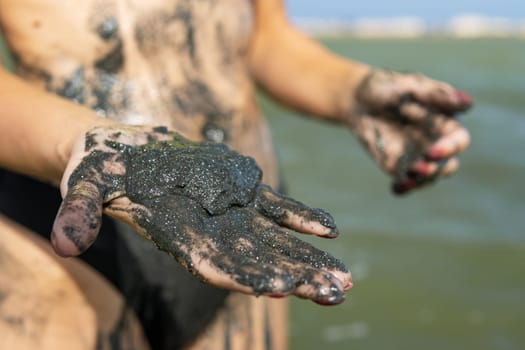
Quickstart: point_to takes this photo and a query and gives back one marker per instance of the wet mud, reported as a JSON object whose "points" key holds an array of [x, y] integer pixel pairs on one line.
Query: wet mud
{"points": [[203, 198], [412, 152], [152, 38], [196, 98], [113, 61], [212, 175]]}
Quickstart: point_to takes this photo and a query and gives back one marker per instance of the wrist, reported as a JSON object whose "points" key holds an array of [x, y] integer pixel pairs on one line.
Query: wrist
{"points": [[77, 130], [348, 100]]}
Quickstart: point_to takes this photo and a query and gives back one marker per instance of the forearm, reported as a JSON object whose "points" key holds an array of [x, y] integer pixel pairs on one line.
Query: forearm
{"points": [[298, 71], [38, 129]]}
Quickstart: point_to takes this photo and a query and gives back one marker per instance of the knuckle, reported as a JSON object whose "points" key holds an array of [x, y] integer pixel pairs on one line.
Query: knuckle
{"points": [[464, 139], [451, 168]]}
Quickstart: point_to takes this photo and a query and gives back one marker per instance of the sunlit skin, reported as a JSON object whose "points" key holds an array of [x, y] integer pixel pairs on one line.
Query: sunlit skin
{"points": [[193, 66]]}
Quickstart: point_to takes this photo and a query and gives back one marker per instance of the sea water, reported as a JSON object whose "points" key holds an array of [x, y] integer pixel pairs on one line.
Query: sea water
{"points": [[443, 268]]}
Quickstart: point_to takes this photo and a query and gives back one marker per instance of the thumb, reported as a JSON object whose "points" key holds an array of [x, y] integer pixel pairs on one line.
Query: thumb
{"points": [[78, 220]]}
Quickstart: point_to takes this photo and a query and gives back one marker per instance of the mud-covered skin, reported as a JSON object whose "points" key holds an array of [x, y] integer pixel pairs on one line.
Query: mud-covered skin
{"points": [[399, 118], [179, 63], [204, 205], [204, 89]]}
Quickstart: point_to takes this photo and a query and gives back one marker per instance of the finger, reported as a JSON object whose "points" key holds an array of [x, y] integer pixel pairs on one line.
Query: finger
{"points": [[413, 111], [299, 252], [414, 179], [425, 173], [445, 99], [439, 95], [344, 276], [438, 169], [253, 277], [430, 121], [428, 169], [266, 242], [320, 287], [303, 280], [215, 248], [404, 186], [78, 220], [450, 145], [451, 167], [295, 215], [230, 270]]}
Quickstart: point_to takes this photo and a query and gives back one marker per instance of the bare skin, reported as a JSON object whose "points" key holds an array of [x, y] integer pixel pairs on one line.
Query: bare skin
{"points": [[39, 317], [192, 66]]}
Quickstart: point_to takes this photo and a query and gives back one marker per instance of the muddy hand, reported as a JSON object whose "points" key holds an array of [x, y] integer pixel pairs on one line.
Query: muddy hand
{"points": [[408, 124], [204, 205]]}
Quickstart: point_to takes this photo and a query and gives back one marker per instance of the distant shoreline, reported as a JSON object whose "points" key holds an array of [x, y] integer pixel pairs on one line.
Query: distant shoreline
{"points": [[430, 36], [461, 27]]}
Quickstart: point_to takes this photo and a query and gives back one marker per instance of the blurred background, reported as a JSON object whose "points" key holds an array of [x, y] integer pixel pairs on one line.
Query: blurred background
{"points": [[443, 268]]}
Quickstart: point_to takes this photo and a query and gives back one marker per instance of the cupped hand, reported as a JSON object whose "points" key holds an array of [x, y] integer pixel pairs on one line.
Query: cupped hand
{"points": [[409, 125], [204, 205]]}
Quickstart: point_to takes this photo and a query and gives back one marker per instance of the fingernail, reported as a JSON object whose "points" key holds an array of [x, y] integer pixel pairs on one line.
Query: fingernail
{"points": [[348, 286], [464, 98], [324, 218], [435, 153], [333, 234], [63, 248], [336, 300], [330, 296], [421, 167], [277, 295]]}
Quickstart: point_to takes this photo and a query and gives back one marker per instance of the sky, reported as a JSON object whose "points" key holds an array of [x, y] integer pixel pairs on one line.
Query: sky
{"points": [[430, 10]]}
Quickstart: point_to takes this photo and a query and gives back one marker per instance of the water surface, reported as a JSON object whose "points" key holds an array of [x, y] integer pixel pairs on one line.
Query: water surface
{"points": [[440, 269]]}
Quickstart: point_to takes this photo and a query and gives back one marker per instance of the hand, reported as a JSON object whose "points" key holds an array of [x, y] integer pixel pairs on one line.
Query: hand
{"points": [[408, 124], [204, 205]]}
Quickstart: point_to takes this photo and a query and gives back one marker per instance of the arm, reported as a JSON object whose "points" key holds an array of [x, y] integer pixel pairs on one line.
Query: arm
{"points": [[405, 121], [200, 202], [299, 72], [38, 129]]}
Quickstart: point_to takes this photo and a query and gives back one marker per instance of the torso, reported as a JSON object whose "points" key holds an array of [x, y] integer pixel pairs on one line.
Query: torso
{"points": [[179, 63]]}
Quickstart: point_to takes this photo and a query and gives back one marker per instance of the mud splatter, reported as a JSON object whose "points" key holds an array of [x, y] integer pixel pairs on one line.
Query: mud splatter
{"points": [[90, 142], [196, 98], [73, 88], [411, 153], [152, 37], [108, 29], [113, 61]]}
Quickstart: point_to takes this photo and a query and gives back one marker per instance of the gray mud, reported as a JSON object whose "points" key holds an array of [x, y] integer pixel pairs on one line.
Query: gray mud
{"points": [[204, 198], [212, 175]]}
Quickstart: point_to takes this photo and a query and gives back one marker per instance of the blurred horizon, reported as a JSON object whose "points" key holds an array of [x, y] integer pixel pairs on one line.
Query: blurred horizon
{"points": [[434, 12], [409, 19]]}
